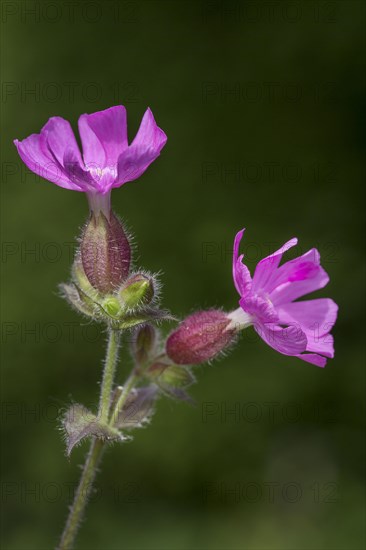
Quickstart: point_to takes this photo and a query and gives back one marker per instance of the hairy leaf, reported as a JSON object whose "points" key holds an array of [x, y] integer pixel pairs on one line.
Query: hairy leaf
{"points": [[79, 423]]}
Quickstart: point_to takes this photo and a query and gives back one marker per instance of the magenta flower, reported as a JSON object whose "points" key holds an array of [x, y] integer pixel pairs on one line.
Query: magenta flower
{"points": [[107, 161], [267, 302]]}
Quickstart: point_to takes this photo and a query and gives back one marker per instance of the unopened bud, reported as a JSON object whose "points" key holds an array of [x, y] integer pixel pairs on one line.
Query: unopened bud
{"points": [[137, 291], [111, 306], [178, 377], [200, 337], [105, 252], [143, 343], [171, 379]]}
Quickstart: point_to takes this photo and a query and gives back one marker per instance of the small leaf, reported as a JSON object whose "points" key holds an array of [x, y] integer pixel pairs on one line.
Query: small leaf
{"points": [[138, 408], [72, 295], [79, 423]]}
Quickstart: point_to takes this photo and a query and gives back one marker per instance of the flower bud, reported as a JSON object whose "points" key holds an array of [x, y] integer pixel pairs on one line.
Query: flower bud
{"points": [[200, 337], [105, 252], [171, 379], [143, 343], [111, 305], [137, 291], [177, 377]]}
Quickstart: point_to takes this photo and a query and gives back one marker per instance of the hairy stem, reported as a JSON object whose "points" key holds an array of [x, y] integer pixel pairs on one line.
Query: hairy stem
{"points": [[82, 495], [108, 375], [96, 448], [129, 384]]}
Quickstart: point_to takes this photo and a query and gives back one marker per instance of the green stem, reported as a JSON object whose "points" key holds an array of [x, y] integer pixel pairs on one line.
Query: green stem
{"points": [[96, 448], [82, 495], [108, 375], [129, 384]]}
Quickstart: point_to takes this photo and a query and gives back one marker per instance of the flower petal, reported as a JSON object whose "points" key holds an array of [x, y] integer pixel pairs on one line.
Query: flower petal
{"points": [[291, 290], [237, 241], [300, 268], [241, 274], [266, 268], [313, 358], [315, 317], [104, 137], [323, 345], [77, 174], [291, 341], [41, 161], [58, 136], [259, 308], [288, 341], [145, 148]]}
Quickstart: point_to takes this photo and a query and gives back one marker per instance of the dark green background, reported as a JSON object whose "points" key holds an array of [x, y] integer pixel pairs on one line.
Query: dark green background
{"points": [[298, 107]]}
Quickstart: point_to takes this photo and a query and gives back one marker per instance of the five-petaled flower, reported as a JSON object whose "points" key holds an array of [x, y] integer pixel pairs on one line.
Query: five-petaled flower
{"points": [[267, 302], [107, 161]]}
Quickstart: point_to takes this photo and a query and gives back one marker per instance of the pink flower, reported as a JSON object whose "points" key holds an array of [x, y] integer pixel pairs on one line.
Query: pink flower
{"points": [[107, 161], [267, 301]]}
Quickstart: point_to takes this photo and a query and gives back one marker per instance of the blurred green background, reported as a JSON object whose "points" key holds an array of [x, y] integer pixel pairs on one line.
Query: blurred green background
{"points": [[263, 104]]}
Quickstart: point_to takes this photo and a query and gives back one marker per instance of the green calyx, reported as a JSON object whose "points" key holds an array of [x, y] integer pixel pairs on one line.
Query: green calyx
{"points": [[111, 306], [137, 291], [124, 308], [170, 375]]}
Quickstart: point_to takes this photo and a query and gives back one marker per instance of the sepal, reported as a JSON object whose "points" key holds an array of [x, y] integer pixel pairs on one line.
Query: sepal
{"points": [[108, 308], [201, 337], [143, 344], [172, 375], [139, 318], [79, 300], [105, 252], [79, 423], [173, 380], [137, 409], [81, 280], [137, 291], [178, 394], [111, 306]]}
